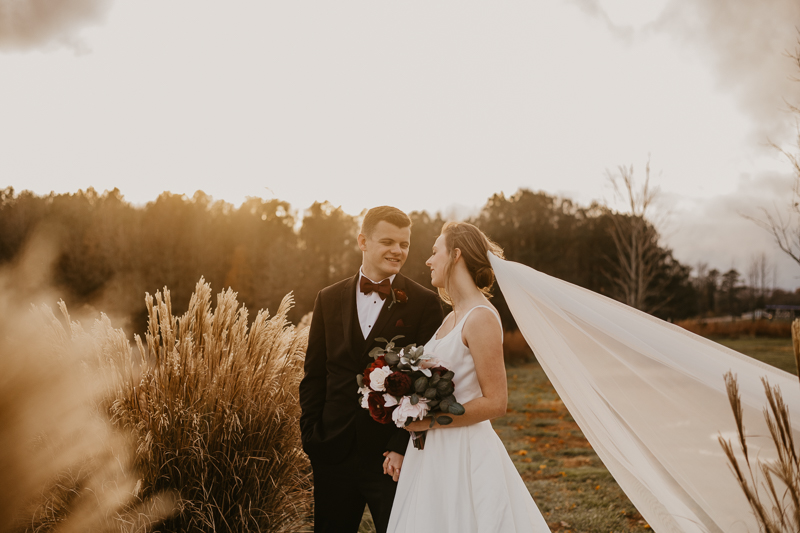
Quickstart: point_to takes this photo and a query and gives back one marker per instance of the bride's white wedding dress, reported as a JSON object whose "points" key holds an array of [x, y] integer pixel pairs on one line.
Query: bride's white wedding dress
{"points": [[463, 481]]}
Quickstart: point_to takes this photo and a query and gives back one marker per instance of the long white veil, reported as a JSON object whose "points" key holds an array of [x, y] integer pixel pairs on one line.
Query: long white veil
{"points": [[650, 397]]}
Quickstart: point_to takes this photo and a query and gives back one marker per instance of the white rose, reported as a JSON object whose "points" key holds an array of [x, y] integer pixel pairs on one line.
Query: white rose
{"points": [[389, 400], [378, 376], [405, 410], [429, 363], [364, 391]]}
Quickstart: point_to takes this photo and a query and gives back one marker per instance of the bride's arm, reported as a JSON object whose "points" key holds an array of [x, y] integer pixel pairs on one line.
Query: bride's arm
{"points": [[483, 335]]}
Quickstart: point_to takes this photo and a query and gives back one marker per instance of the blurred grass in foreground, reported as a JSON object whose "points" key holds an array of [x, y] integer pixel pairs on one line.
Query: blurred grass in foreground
{"points": [[198, 431], [61, 463]]}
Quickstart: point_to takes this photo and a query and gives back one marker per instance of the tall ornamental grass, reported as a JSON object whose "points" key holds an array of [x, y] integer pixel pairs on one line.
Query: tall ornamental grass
{"points": [[212, 402], [209, 402], [777, 506]]}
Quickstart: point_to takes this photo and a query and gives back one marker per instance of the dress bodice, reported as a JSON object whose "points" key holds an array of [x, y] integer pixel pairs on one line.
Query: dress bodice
{"points": [[451, 353]]}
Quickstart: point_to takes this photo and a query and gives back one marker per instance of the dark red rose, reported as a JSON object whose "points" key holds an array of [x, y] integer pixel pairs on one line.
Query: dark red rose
{"points": [[401, 296], [439, 370], [380, 362], [377, 408], [397, 383]]}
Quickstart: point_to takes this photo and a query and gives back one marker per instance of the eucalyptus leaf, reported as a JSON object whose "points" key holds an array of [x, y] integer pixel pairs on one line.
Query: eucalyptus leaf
{"points": [[444, 420], [392, 359], [456, 409], [448, 375], [414, 399], [421, 384], [430, 393], [360, 379], [445, 388], [433, 404], [444, 405], [381, 339], [376, 352], [433, 421], [435, 379]]}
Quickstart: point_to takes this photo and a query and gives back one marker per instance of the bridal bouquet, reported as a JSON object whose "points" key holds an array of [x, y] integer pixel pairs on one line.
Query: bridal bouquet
{"points": [[406, 385]]}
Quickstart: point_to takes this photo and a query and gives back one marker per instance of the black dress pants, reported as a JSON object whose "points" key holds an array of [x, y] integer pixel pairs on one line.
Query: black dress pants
{"points": [[342, 490]]}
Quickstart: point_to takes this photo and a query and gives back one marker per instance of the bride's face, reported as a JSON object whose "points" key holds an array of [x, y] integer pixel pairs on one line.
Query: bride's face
{"points": [[438, 262]]}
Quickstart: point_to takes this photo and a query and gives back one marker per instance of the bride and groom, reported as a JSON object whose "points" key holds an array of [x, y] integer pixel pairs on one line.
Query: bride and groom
{"points": [[463, 480], [648, 395]]}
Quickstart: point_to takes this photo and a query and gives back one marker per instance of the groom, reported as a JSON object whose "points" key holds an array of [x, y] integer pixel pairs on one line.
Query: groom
{"points": [[345, 445]]}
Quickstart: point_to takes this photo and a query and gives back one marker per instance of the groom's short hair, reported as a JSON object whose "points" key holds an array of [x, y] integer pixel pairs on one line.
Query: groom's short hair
{"points": [[389, 214]]}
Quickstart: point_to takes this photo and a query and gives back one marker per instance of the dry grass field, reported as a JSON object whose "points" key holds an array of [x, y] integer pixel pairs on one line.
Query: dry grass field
{"points": [[567, 480], [776, 352], [569, 483], [738, 328]]}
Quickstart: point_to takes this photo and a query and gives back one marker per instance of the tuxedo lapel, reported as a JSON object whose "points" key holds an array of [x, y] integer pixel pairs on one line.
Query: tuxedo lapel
{"points": [[387, 311], [349, 310]]}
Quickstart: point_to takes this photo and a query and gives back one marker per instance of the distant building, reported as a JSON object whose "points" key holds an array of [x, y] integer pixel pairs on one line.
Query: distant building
{"points": [[758, 314], [782, 312]]}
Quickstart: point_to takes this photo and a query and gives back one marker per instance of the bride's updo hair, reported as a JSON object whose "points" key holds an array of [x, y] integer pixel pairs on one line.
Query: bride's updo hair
{"points": [[474, 246]]}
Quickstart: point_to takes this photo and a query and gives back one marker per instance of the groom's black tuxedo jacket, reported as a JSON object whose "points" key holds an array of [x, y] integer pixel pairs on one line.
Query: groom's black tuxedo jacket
{"points": [[333, 424]]}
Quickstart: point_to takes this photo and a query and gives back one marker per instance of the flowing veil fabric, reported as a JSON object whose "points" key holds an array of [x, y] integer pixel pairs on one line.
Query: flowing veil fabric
{"points": [[650, 397]]}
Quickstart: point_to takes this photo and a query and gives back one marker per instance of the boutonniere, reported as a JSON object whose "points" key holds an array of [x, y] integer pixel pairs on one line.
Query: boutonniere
{"points": [[399, 296]]}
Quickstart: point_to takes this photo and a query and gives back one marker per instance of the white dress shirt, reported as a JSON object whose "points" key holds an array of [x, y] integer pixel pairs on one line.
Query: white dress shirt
{"points": [[369, 305]]}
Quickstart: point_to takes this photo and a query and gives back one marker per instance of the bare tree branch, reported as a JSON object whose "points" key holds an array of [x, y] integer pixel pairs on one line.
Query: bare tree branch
{"points": [[635, 239], [786, 230]]}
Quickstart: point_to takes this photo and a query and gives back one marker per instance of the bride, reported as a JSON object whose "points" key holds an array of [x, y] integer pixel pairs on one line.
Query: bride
{"points": [[648, 395], [464, 481]]}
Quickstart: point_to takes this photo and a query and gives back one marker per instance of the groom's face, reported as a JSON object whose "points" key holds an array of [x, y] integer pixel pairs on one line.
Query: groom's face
{"points": [[385, 250]]}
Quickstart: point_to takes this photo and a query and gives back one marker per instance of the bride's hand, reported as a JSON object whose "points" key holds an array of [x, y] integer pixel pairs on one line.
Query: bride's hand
{"points": [[392, 464], [419, 425]]}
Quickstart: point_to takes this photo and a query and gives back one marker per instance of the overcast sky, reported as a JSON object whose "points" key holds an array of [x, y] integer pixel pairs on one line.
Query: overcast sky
{"points": [[423, 105]]}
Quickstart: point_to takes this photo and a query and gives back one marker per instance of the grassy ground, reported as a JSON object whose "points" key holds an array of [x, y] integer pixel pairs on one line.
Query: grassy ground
{"points": [[570, 485], [567, 480], [776, 352]]}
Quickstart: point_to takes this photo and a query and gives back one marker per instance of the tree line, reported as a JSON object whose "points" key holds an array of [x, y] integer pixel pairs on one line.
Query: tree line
{"points": [[109, 252]]}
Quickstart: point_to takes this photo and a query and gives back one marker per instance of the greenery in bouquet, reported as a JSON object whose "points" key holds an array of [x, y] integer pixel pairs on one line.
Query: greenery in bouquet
{"points": [[406, 384]]}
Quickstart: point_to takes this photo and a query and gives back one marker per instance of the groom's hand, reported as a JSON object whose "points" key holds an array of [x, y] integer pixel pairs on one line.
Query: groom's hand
{"points": [[392, 464]]}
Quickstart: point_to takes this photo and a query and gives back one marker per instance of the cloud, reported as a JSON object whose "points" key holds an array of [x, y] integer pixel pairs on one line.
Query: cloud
{"points": [[622, 29], [31, 24], [715, 230], [748, 43]]}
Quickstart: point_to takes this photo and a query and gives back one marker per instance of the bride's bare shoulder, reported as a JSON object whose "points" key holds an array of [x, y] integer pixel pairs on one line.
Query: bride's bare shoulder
{"points": [[485, 312], [483, 320]]}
